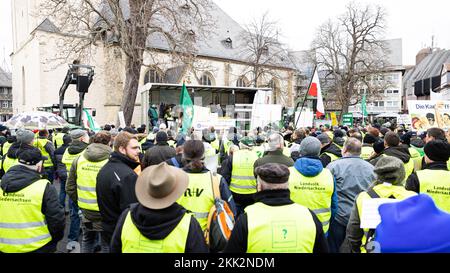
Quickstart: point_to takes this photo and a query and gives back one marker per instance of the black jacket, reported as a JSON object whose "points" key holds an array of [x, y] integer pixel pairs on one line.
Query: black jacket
{"points": [[413, 183], [61, 169], [148, 144], [19, 177], [400, 152], [115, 189], [158, 224], [160, 153], [332, 149], [239, 235]]}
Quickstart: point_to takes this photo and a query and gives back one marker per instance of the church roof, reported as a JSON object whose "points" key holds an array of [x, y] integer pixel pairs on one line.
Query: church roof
{"points": [[224, 41], [5, 78], [47, 26]]}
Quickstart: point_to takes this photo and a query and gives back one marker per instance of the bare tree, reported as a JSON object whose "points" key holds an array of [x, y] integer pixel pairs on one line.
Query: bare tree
{"points": [[134, 26], [262, 50], [351, 51]]}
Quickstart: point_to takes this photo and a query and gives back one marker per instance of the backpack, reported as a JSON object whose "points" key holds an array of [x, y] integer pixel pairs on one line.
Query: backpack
{"points": [[220, 220]]}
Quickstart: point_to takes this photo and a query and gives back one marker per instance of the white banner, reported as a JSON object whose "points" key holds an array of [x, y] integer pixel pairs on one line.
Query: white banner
{"points": [[404, 119], [264, 114], [427, 114], [323, 122], [306, 119]]}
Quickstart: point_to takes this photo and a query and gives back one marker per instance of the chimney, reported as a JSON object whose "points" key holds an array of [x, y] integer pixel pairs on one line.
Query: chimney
{"points": [[423, 54]]}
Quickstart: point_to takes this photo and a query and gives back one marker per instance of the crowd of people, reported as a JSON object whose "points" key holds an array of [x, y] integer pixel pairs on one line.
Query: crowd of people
{"points": [[151, 190]]}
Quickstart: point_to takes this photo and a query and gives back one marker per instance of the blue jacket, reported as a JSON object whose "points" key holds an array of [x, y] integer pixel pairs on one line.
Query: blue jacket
{"points": [[312, 166]]}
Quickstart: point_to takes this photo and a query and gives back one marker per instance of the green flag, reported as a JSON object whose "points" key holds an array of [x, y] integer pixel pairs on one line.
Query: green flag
{"points": [[363, 108], [188, 109]]}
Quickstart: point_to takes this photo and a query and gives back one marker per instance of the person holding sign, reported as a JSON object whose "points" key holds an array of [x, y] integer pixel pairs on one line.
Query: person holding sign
{"points": [[390, 173]]}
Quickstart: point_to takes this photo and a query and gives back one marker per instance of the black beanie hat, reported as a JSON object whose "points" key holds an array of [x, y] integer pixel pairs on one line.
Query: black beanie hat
{"points": [[378, 146], [370, 139], [437, 150]]}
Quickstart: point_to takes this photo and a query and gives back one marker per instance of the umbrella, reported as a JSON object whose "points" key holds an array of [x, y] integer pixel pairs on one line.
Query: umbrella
{"points": [[36, 120]]}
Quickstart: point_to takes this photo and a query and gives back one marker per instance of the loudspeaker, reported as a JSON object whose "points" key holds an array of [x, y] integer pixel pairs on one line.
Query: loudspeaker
{"points": [[83, 84]]}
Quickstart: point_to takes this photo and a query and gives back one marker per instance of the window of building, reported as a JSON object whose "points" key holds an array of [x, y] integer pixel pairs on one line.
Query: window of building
{"points": [[153, 76], [395, 91], [389, 91], [10, 104], [379, 103], [207, 79], [4, 104], [242, 82]]}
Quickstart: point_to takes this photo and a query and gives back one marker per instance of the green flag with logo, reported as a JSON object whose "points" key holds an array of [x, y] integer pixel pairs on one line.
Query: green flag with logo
{"points": [[188, 109], [363, 108]]}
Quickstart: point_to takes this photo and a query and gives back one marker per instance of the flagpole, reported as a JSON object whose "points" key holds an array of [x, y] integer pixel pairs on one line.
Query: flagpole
{"points": [[306, 96]]}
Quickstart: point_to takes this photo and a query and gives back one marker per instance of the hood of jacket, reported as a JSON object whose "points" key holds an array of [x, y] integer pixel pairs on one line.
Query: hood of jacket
{"points": [[77, 147], [331, 148], [96, 152], [156, 224], [17, 178], [399, 152], [308, 166], [14, 149]]}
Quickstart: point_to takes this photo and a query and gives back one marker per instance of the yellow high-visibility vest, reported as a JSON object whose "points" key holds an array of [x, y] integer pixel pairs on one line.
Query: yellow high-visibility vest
{"points": [[409, 167], [172, 143], [134, 242], [86, 181], [276, 229], [40, 144], [216, 144], [332, 156], [366, 152], [199, 197], [314, 193], [68, 159], [417, 159], [23, 227], [243, 180], [6, 147], [384, 191], [58, 140], [9, 162], [436, 183]]}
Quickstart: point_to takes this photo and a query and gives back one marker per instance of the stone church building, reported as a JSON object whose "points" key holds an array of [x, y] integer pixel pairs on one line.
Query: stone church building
{"points": [[37, 77]]}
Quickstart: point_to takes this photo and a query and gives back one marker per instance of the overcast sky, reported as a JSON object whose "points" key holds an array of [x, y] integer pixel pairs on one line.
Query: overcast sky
{"points": [[413, 21]]}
